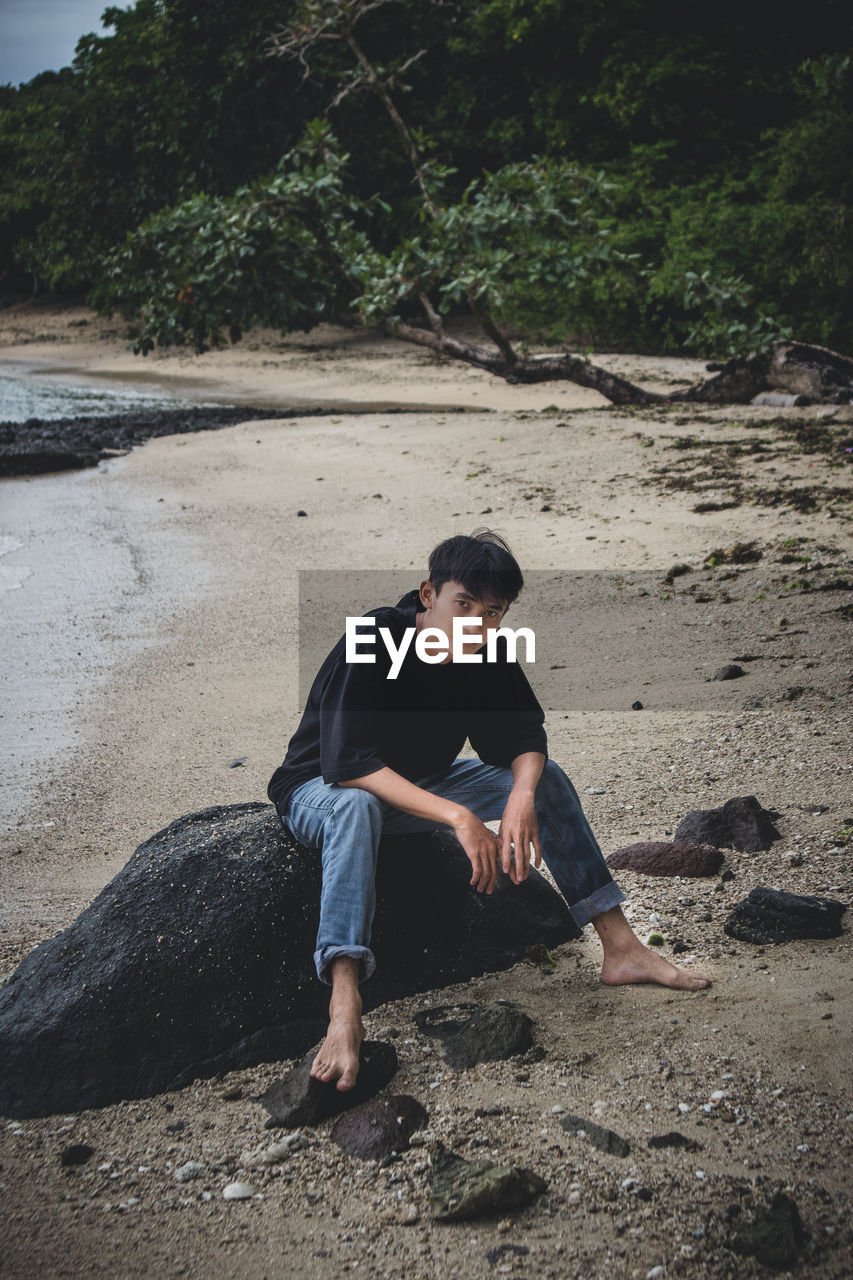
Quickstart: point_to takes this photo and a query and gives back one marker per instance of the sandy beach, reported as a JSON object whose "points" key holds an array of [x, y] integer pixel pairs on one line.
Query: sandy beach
{"points": [[191, 661]]}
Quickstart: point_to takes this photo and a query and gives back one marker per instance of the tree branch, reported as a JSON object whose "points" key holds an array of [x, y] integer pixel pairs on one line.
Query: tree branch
{"points": [[529, 369]]}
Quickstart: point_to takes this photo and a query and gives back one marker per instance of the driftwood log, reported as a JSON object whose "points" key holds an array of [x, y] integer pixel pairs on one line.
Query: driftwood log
{"points": [[816, 374]]}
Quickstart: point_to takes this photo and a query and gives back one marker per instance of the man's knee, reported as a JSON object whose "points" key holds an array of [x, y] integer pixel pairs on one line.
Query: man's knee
{"points": [[355, 804], [555, 785]]}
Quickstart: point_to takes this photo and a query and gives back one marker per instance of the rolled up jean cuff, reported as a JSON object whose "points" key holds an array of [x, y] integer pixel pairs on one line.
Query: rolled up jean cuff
{"points": [[603, 899], [324, 957]]}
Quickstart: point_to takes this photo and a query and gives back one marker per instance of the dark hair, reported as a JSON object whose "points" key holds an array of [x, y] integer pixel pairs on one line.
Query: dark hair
{"points": [[481, 561]]}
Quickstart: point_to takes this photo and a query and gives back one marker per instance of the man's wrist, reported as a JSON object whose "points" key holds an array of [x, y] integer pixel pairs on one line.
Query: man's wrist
{"points": [[523, 791]]}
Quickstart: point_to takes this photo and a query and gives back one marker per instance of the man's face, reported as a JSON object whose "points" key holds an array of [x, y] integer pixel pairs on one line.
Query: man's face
{"points": [[456, 601]]}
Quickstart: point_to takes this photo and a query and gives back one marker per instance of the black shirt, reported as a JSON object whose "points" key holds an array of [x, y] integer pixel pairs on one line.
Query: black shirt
{"points": [[357, 721]]}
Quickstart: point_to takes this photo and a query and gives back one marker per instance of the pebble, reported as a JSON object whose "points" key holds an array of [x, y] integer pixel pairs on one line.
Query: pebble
{"points": [[187, 1172], [275, 1153], [654, 1273], [594, 791], [237, 1191]]}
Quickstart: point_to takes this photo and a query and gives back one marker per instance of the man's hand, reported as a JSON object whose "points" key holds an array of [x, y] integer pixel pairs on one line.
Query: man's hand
{"points": [[481, 846], [518, 831]]}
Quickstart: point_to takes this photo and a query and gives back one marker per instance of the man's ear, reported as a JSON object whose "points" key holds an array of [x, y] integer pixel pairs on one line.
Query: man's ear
{"points": [[427, 593]]}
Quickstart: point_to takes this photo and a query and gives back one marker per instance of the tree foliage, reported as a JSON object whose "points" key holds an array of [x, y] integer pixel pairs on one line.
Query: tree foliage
{"points": [[707, 143]]}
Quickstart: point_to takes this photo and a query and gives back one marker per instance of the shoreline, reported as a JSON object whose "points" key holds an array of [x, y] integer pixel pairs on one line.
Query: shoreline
{"points": [[573, 493]]}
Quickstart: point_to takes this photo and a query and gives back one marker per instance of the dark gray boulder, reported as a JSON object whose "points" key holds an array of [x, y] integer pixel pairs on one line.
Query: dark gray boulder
{"points": [[667, 858], [769, 915], [197, 958], [740, 823]]}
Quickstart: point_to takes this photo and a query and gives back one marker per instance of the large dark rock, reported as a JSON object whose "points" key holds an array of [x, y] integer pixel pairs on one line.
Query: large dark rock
{"points": [[740, 823], [197, 958], [769, 915], [667, 858], [484, 1033]]}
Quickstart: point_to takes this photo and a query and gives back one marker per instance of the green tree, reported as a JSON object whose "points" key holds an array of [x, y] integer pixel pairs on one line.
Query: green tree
{"points": [[283, 251]]}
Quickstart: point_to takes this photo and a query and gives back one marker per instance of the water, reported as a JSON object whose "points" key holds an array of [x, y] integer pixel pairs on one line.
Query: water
{"points": [[30, 392], [91, 574]]}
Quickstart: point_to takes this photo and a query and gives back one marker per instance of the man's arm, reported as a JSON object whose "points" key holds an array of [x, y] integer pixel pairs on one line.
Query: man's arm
{"points": [[519, 827], [480, 844]]}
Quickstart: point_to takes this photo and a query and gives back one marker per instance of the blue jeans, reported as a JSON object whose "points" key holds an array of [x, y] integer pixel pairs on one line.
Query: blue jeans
{"points": [[346, 823]]}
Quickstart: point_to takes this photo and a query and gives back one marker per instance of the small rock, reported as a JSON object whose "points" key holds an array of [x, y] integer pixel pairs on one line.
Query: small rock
{"points": [[604, 1139], [780, 399], [492, 1033], [738, 553], [667, 858], [275, 1153], [237, 1191], [768, 915], [662, 1141], [467, 1189], [731, 671], [238, 763], [77, 1153], [298, 1099], [740, 823], [375, 1129], [793, 859], [504, 1250], [300, 512], [636, 706], [594, 791], [189, 1171], [775, 1236]]}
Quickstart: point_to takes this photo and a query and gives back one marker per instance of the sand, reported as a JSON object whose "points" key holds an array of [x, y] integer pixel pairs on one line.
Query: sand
{"points": [[213, 584]]}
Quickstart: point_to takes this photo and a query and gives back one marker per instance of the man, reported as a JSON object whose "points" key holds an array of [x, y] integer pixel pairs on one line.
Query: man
{"points": [[377, 752]]}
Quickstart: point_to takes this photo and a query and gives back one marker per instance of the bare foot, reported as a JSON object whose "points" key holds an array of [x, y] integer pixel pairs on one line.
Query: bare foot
{"points": [[338, 1056], [642, 965]]}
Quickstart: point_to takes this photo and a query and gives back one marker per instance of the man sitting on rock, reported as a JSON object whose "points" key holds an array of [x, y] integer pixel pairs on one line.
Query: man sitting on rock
{"points": [[376, 753]]}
